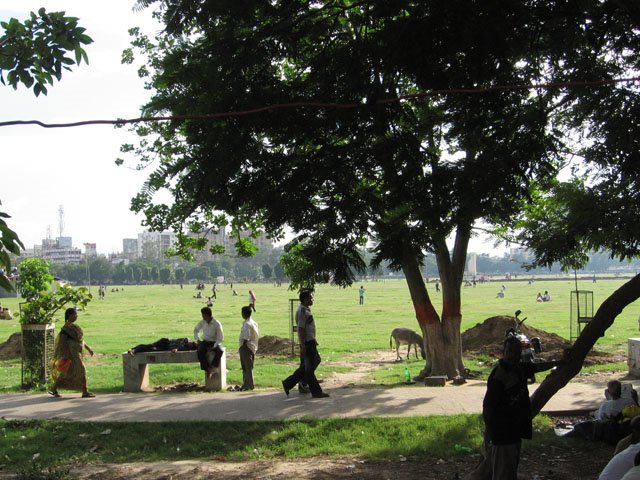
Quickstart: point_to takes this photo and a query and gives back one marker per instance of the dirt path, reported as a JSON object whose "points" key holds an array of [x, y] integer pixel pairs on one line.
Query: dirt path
{"points": [[556, 464], [362, 369]]}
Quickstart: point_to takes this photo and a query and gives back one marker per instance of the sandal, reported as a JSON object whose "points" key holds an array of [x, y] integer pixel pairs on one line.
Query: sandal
{"points": [[88, 395], [54, 393]]}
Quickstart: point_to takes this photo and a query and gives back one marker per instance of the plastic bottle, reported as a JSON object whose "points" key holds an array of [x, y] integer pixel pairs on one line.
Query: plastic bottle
{"points": [[462, 449], [407, 375]]}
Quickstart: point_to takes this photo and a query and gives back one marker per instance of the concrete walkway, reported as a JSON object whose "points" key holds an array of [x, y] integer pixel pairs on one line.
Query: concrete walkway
{"points": [[346, 402]]}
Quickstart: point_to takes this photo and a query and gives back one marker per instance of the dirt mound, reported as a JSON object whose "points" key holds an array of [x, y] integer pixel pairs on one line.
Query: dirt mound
{"points": [[12, 348], [489, 335], [487, 338], [272, 345]]}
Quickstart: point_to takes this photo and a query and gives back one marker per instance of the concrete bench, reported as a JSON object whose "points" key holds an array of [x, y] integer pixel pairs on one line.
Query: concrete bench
{"points": [[136, 369]]}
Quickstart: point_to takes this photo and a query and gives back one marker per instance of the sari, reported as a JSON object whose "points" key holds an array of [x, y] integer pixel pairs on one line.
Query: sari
{"points": [[68, 364]]}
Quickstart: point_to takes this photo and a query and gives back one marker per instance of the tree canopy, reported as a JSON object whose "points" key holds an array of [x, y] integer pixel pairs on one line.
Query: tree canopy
{"points": [[403, 122], [35, 51]]}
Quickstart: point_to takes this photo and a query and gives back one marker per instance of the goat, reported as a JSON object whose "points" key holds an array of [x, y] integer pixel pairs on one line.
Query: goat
{"points": [[406, 335]]}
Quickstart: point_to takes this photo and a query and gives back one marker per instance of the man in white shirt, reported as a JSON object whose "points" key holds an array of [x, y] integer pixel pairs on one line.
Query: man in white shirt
{"points": [[614, 402], [619, 465], [212, 336], [634, 472], [248, 348]]}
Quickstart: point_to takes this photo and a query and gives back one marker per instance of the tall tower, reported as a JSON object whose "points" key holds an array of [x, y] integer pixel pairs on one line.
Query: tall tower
{"points": [[60, 220]]}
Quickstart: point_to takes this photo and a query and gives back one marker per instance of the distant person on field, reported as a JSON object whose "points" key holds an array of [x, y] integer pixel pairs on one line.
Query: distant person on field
{"points": [[68, 362], [546, 297], [506, 408], [308, 349], [361, 294], [164, 345], [248, 347], [437, 285], [252, 300], [539, 297], [212, 337]]}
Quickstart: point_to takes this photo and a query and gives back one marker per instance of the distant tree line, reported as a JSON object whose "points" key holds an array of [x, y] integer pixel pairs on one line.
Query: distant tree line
{"points": [[266, 267], [514, 264]]}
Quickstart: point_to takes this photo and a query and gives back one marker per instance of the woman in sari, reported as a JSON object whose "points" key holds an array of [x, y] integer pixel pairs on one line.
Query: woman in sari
{"points": [[68, 365]]}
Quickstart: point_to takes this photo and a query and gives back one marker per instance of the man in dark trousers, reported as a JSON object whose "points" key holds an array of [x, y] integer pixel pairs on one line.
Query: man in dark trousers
{"points": [[308, 349], [506, 408]]}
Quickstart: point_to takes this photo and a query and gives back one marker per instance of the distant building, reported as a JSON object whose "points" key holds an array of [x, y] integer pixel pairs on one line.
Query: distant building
{"points": [[218, 237], [60, 250], [90, 250], [152, 245], [130, 248], [263, 242], [472, 268], [64, 242]]}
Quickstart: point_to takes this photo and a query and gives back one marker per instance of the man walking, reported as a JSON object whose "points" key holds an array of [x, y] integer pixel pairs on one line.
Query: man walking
{"points": [[308, 349], [212, 336]]}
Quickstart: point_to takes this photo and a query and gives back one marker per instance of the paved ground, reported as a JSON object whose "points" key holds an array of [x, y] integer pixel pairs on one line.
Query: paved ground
{"points": [[274, 405]]}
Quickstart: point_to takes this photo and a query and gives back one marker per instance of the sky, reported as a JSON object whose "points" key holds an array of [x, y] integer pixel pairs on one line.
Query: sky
{"points": [[43, 170]]}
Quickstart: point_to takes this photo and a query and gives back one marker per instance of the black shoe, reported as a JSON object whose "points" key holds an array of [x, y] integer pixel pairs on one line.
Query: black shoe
{"points": [[284, 387], [321, 395], [302, 390]]}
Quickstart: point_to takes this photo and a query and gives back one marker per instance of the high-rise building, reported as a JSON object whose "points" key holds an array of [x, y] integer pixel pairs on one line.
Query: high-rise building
{"points": [[262, 241], [90, 250], [130, 248], [60, 250], [152, 245], [218, 237]]}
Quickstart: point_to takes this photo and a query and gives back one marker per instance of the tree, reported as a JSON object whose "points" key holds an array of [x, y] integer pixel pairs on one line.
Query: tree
{"points": [[100, 269], [34, 278], [165, 275], [267, 271], [278, 272], [9, 243], [154, 274], [200, 274], [35, 51], [376, 163], [179, 274]]}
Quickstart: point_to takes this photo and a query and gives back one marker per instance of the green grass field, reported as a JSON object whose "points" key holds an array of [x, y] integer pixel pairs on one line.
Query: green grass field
{"points": [[142, 314]]}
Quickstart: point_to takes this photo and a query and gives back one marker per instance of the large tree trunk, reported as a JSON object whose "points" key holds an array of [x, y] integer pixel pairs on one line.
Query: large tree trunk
{"points": [[441, 334], [425, 314], [603, 319]]}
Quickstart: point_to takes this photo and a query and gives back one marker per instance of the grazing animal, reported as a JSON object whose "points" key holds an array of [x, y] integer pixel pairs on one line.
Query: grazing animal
{"points": [[406, 335]]}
